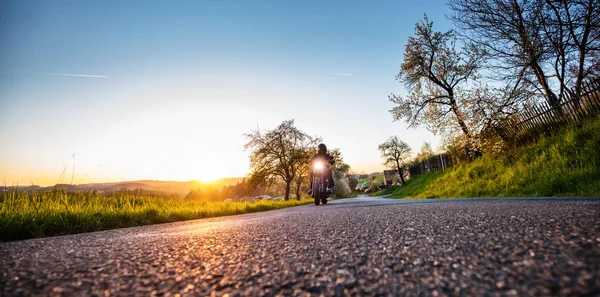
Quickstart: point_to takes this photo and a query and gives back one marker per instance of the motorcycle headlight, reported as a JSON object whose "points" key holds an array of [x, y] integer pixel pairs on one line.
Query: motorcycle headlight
{"points": [[318, 165]]}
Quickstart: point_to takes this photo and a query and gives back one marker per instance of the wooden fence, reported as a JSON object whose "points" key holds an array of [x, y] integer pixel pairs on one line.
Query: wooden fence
{"points": [[542, 119], [435, 163]]}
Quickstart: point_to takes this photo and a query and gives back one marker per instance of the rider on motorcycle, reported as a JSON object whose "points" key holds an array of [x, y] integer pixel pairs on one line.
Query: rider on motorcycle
{"points": [[324, 157]]}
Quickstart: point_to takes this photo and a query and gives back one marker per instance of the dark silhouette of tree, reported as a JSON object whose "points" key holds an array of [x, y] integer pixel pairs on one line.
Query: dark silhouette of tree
{"points": [[395, 153], [239, 190]]}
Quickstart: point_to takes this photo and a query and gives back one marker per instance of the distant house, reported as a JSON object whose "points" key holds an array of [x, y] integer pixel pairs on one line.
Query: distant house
{"points": [[359, 176]]}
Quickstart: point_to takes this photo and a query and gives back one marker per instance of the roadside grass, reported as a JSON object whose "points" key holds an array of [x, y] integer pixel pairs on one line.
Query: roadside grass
{"points": [[566, 164], [26, 215]]}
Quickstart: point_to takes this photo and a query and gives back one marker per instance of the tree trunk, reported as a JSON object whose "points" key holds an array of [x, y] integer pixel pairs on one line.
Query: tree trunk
{"points": [[298, 184], [464, 128], [550, 96], [532, 58], [578, 84], [288, 186], [582, 46], [400, 172], [579, 81]]}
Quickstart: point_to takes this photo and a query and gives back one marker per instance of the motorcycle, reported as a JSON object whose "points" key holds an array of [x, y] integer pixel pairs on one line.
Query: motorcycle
{"points": [[320, 183]]}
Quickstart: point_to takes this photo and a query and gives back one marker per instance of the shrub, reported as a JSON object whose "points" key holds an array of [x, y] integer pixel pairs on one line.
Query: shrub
{"points": [[342, 188], [352, 182], [375, 184]]}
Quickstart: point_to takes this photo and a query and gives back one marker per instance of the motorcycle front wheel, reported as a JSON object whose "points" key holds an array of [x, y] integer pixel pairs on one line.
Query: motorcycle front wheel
{"points": [[316, 190]]}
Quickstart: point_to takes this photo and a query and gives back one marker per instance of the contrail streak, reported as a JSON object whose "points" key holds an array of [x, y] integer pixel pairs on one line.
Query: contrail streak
{"points": [[342, 74], [72, 74]]}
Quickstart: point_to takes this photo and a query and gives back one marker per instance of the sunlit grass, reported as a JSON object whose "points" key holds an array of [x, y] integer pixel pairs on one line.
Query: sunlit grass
{"points": [[38, 214], [567, 164]]}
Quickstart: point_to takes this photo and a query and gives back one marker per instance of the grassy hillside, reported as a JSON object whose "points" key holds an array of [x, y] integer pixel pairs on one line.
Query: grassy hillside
{"points": [[566, 164]]}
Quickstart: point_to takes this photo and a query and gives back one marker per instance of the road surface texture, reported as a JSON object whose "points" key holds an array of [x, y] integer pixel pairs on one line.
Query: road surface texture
{"points": [[360, 246]]}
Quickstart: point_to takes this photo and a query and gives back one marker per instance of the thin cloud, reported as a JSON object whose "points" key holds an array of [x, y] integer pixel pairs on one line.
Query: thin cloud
{"points": [[72, 74], [342, 74]]}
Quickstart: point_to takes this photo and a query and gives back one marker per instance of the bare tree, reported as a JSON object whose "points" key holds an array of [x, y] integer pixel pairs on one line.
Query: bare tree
{"points": [[278, 154], [395, 153], [433, 71], [535, 42], [571, 27]]}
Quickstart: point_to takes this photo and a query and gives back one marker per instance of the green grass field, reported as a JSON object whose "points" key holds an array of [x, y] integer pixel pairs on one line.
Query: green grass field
{"points": [[566, 164], [30, 215]]}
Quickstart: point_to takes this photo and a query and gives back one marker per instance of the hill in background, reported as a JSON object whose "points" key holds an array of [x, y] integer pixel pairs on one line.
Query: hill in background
{"points": [[178, 188]]}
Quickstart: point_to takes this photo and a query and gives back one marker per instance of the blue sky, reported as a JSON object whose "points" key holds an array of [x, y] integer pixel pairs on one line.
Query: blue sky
{"points": [[166, 89]]}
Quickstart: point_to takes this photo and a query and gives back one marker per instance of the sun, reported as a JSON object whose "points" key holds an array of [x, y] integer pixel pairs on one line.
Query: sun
{"points": [[208, 174]]}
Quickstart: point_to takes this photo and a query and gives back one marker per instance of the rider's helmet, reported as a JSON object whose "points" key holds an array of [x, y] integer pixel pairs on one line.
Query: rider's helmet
{"points": [[322, 148]]}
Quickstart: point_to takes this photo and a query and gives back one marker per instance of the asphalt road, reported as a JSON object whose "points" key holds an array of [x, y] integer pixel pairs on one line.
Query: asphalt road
{"points": [[361, 246]]}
